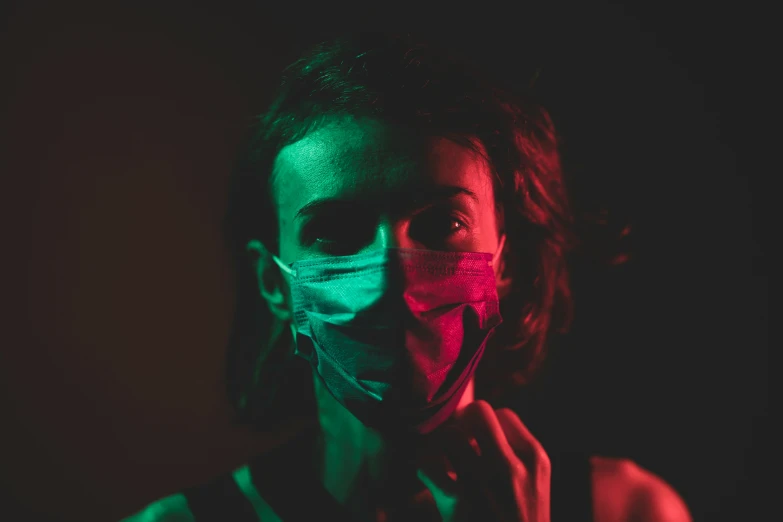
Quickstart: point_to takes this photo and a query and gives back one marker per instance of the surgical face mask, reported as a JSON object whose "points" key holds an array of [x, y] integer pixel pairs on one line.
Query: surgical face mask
{"points": [[395, 335]]}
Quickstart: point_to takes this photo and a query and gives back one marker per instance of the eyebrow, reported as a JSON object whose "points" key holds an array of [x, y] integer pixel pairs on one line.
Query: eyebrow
{"points": [[423, 197]]}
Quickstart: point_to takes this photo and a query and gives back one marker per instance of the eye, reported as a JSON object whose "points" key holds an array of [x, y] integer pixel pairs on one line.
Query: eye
{"points": [[337, 248], [450, 225], [436, 227], [337, 235]]}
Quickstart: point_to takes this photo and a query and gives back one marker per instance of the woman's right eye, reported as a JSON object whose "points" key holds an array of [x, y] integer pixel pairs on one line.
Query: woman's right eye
{"points": [[335, 247], [337, 236]]}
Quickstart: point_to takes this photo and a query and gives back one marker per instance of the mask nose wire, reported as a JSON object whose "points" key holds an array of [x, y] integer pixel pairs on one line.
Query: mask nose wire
{"points": [[291, 272]]}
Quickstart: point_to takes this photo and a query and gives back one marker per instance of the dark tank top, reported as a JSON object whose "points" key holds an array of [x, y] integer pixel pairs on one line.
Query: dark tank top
{"points": [[279, 482]]}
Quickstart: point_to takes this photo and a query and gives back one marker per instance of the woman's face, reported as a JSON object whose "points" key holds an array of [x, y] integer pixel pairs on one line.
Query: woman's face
{"points": [[356, 185]]}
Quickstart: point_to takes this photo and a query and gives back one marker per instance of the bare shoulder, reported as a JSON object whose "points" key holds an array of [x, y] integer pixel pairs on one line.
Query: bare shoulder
{"points": [[623, 491], [173, 508]]}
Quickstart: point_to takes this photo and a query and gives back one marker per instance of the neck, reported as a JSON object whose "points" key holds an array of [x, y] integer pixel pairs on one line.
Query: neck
{"points": [[358, 463]]}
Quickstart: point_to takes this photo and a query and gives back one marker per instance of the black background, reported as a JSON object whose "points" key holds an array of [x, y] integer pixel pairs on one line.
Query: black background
{"points": [[119, 129]]}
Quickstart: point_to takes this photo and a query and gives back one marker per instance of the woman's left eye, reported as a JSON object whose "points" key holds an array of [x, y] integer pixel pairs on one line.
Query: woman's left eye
{"points": [[452, 225], [456, 225], [436, 226]]}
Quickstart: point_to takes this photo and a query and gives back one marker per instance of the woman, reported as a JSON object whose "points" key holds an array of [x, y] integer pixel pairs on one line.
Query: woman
{"points": [[401, 231]]}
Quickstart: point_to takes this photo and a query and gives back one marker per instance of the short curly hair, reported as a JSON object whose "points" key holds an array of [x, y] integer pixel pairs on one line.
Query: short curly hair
{"points": [[400, 80]]}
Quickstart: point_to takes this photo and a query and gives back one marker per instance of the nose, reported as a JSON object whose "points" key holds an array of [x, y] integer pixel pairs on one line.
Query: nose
{"points": [[391, 234]]}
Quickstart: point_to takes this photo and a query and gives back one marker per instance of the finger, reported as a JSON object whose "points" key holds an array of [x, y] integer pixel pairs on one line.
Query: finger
{"points": [[480, 421], [469, 475], [461, 454], [524, 444], [517, 434], [438, 473]]}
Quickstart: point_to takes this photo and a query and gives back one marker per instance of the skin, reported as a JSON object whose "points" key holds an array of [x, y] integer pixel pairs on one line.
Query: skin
{"points": [[355, 185]]}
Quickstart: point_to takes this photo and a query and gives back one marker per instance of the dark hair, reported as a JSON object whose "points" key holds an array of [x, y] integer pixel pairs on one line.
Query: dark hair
{"points": [[398, 80]]}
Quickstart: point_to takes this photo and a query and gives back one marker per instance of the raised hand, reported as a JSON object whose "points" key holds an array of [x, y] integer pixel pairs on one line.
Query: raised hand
{"points": [[496, 470]]}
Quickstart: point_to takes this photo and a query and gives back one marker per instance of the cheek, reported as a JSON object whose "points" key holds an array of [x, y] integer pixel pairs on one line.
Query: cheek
{"points": [[287, 228], [287, 239], [488, 229]]}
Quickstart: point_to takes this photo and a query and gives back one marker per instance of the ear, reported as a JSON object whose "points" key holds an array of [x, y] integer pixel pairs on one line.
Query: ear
{"points": [[502, 282], [502, 279], [271, 282]]}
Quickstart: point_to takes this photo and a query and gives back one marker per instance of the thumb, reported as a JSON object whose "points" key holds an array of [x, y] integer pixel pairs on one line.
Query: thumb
{"points": [[443, 489]]}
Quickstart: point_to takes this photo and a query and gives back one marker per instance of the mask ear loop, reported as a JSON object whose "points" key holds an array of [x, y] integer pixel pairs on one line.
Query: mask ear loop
{"points": [[292, 273], [503, 285], [285, 268], [499, 251]]}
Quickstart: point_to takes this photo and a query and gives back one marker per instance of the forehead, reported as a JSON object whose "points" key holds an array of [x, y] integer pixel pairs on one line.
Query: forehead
{"points": [[372, 161]]}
